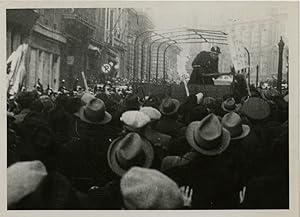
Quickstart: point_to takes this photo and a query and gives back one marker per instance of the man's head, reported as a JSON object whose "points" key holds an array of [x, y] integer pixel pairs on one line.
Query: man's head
{"points": [[214, 52]]}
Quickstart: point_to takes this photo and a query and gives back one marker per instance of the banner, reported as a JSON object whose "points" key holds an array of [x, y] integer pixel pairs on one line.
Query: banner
{"points": [[18, 67], [238, 53]]}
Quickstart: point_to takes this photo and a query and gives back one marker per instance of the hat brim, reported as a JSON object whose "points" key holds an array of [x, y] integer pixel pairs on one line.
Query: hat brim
{"points": [[107, 118], [190, 132], [113, 163], [237, 108], [177, 104], [246, 131]]}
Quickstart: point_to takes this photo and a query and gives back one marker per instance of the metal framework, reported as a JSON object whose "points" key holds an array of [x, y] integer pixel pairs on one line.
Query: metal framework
{"points": [[175, 36]]}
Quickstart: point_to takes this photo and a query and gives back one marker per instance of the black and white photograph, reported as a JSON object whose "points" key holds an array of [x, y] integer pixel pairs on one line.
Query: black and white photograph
{"points": [[150, 106]]}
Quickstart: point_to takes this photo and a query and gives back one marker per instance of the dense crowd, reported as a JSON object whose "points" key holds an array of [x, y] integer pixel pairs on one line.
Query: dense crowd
{"points": [[109, 149]]}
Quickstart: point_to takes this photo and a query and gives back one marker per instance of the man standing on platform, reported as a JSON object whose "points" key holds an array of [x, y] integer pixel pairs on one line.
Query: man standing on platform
{"points": [[205, 63]]}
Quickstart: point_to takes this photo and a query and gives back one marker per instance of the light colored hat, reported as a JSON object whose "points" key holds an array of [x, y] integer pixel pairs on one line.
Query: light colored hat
{"points": [[286, 98], [233, 123], [199, 97], [149, 189], [23, 178], [135, 119], [152, 113], [86, 98], [208, 137]]}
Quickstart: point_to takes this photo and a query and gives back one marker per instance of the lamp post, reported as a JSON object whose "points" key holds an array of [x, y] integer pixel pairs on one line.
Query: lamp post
{"points": [[279, 76]]}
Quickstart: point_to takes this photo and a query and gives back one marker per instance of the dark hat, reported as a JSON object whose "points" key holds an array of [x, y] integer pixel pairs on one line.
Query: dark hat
{"points": [[256, 108], [270, 95], [229, 105], [94, 112], [210, 102], [215, 49], [233, 123], [169, 106], [131, 101], [198, 113], [131, 150], [208, 137]]}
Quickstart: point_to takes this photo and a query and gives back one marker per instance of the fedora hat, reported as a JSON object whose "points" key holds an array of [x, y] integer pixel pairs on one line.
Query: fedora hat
{"points": [[208, 137], [143, 188], [270, 95], [94, 112], [233, 123], [126, 152], [152, 113], [229, 105], [135, 119], [256, 108], [169, 106]]}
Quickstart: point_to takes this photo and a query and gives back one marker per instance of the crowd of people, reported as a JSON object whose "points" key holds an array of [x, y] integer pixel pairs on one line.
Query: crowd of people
{"points": [[110, 149]]}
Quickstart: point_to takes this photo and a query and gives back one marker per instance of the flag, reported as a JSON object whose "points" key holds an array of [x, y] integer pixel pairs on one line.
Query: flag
{"points": [[18, 62], [238, 53]]}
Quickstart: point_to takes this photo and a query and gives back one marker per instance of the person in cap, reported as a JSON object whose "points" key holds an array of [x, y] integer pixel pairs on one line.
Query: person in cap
{"points": [[205, 63], [256, 112], [85, 155], [22, 179], [134, 121], [207, 167], [168, 124], [149, 189], [158, 140], [130, 103], [32, 187], [279, 107], [237, 149], [270, 190]]}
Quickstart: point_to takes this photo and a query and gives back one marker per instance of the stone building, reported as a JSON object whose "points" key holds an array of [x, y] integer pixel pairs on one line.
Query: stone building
{"points": [[66, 41]]}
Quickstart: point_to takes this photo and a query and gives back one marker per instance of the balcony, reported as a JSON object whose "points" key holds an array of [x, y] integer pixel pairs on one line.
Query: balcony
{"points": [[79, 22]]}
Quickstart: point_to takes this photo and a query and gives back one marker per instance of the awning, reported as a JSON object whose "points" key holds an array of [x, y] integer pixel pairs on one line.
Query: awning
{"points": [[94, 48]]}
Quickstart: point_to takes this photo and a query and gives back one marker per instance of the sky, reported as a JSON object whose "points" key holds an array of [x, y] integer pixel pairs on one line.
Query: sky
{"points": [[197, 14], [207, 14]]}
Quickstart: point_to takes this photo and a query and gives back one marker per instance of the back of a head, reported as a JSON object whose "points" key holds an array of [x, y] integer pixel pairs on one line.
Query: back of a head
{"points": [[25, 99], [149, 189]]}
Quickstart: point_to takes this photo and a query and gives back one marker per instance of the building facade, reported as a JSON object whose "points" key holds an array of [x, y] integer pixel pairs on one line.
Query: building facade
{"points": [[67, 41], [260, 37]]}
